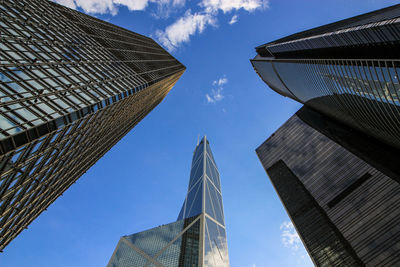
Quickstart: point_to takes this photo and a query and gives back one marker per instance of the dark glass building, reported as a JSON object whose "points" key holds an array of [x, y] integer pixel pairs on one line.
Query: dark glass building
{"points": [[348, 70], [344, 204], [71, 86], [197, 238]]}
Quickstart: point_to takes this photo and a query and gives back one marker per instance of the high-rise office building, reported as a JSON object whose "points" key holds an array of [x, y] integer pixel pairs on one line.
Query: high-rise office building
{"points": [[345, 209], [197, 238], [348, 70], [71, 86], [334, 164]]}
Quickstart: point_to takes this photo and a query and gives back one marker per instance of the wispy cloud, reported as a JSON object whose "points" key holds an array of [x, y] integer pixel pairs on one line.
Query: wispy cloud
{"points": [[174, 35], [111, 6], [181, 30], [184, 27], [289, 236], [216, 92], [230, 5], [234, 19], [167, 7], [220, 81]]}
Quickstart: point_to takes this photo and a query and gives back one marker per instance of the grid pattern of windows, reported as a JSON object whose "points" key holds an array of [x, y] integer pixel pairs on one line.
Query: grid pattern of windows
{"points": [[324, 187], [71, 86], [172, 245]]}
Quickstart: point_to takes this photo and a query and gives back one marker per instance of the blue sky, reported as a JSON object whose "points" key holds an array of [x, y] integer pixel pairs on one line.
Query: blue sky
{"points": [[142, 181]]}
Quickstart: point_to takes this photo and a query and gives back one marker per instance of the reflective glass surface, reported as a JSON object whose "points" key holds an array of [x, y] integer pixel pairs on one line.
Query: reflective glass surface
{"points": [[125, 256], [153, 240], [331, 192], [71, 86], [216, 251], [203, 200], [364, 94], [170, 245], [214, 203], [194, 200]]}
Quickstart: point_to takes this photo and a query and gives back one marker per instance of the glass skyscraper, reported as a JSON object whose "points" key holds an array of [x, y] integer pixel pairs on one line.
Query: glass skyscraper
{"points": [[71, 86], [197, 238], [345, 208], [335, 163], [348, 70]]}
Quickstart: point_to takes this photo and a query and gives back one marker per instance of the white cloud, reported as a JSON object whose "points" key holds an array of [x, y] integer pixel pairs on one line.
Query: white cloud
{"points": [[215, 96], [111, 6], [230, 5], [166, 7], [132, 4], [289, 236], [181, 30], [67, 3], [216, 93], [220, 81], [234, 19], [176, 34]]}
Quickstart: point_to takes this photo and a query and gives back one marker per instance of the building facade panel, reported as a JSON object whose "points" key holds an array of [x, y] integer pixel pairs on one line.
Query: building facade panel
{"points": [[347, 70], [71, 86], [325, 187]]}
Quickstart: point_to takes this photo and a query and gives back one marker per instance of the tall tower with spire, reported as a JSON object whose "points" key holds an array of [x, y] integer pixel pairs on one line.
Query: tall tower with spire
{"points": [[197, 238]]}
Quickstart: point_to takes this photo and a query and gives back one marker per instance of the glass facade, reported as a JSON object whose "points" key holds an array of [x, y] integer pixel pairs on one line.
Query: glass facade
{"points": [[347, 70], [363, 94], [198, 238], [174, 244], [71, 86], [344, 209]]}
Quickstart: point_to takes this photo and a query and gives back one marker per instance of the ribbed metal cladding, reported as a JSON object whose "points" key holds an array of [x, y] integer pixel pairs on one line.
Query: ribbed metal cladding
{"points": [[364, 94], [71, 86], [380, 26], [344, 209], [348, 70]]}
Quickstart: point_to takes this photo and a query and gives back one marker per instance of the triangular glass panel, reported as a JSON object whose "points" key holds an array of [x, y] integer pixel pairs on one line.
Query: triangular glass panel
{"points": [[196, 172], [209, 206], [125, 256], [185, 250], [180, 216], [209, 260], [194, 201], [153, 240], [217, 203], [223, 244], [197, 152], [212, 173], [218, 242], [170, 256], [208, 149]]}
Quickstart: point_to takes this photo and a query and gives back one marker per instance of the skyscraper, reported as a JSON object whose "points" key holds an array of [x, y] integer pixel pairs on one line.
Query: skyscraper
{"points": [[334, 164], [348, 70], [71, 86], [197, 238], [345, 209]]}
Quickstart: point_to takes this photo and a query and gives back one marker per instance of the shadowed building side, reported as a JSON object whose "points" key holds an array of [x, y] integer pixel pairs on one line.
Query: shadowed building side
{"points": [[345, 210]]}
